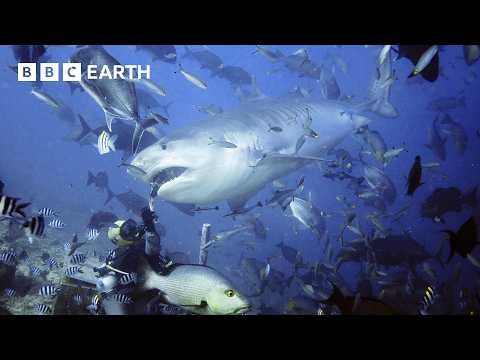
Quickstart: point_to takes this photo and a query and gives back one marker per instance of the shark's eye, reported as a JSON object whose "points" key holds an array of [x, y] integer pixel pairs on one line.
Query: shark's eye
{"points": [[230, 293]]}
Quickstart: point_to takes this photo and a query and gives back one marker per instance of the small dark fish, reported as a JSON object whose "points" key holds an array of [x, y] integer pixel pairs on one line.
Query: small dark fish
{"points": [[275, 129], [8, 206], [465, 240], [244, 210], [205, 209], [42, 309], [73, 270], [78, 259], [415, 176]]}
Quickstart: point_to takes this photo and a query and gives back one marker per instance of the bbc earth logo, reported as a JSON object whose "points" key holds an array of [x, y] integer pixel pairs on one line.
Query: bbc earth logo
{"points": [[74, 72]]}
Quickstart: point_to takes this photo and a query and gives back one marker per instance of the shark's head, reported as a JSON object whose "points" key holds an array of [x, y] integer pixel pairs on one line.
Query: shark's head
{"points": [[191, 170]]}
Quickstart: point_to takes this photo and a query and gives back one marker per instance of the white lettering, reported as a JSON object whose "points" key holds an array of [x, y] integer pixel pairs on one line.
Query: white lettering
{"points": [[105, 73], [92, 72], [118, 72]]}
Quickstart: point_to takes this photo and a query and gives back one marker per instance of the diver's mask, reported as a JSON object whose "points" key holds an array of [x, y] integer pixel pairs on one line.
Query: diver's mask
{"points": [[125, 232]]}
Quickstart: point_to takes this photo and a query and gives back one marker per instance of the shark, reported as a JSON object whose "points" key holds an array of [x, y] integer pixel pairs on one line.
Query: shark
{"points": [[187, 167]]}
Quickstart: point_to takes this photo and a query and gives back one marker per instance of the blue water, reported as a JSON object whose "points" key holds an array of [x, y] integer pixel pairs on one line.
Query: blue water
{"points": [[37, 165]]}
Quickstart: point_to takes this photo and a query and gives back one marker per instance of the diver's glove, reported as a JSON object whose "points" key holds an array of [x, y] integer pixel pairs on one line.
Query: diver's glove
{"points": [[149, 218]]}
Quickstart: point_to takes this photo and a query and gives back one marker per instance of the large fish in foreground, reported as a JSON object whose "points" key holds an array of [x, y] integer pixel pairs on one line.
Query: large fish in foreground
{"points": [[186, 168]]}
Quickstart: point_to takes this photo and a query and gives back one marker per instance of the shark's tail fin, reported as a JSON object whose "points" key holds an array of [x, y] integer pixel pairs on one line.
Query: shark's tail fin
{"points": [[110, 196], [91, 178]]}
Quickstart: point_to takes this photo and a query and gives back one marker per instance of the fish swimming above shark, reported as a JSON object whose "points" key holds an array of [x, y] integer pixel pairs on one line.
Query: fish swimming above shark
{"points": [[186, 169], [116, 97]]}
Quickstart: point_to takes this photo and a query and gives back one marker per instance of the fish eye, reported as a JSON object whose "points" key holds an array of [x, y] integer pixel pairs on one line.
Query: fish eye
{"points": [[230, 293]]}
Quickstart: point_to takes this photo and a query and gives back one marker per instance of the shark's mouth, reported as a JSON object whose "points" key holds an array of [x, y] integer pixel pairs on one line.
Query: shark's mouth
{"points": [[166, 175]]}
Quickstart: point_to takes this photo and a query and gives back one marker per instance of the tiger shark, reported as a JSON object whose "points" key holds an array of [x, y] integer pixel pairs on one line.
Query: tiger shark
{"points": [[233, 155]]}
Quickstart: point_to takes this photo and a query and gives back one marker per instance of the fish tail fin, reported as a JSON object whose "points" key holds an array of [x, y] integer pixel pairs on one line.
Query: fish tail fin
{"points": [[137, 136], [91, 178], [111, 142], [109, 119], [19, 209], [470, 198], [110, 196]]}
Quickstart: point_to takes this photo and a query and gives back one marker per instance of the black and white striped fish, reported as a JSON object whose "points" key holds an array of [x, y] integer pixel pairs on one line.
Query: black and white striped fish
{"points": [[111, 255], [78, 259], [106, 143], [92, 234], [35, 271], [8, 206], [73, 270], [47, 212], [49, 290], [128, 278], [96, 299], [10, 292], [56, 224], [8, 257], [35, 227], [42, 309], [53, 263], [77, 299], [121, 298]]}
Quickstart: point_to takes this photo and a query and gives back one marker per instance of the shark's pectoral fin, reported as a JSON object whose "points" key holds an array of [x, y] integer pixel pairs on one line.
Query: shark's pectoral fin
{"points": [[239, 201]]}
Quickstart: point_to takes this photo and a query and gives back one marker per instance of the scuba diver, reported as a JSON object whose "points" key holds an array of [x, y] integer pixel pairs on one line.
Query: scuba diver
{"points": [[133, 244]]}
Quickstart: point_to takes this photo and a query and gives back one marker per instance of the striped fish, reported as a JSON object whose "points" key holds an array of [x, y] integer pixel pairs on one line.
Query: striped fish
{"points": [[92, 234], [35, 227], [8, 206], [10, 292], [128, 278], [106, 143], [73, 270], [42, 309], [49, 290], [56, 224], [47, 212], [96, 299], [78, 259], [121, 298], [35, 271], [111, 255], [77, 299], [8, 257], [53, 263]]}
